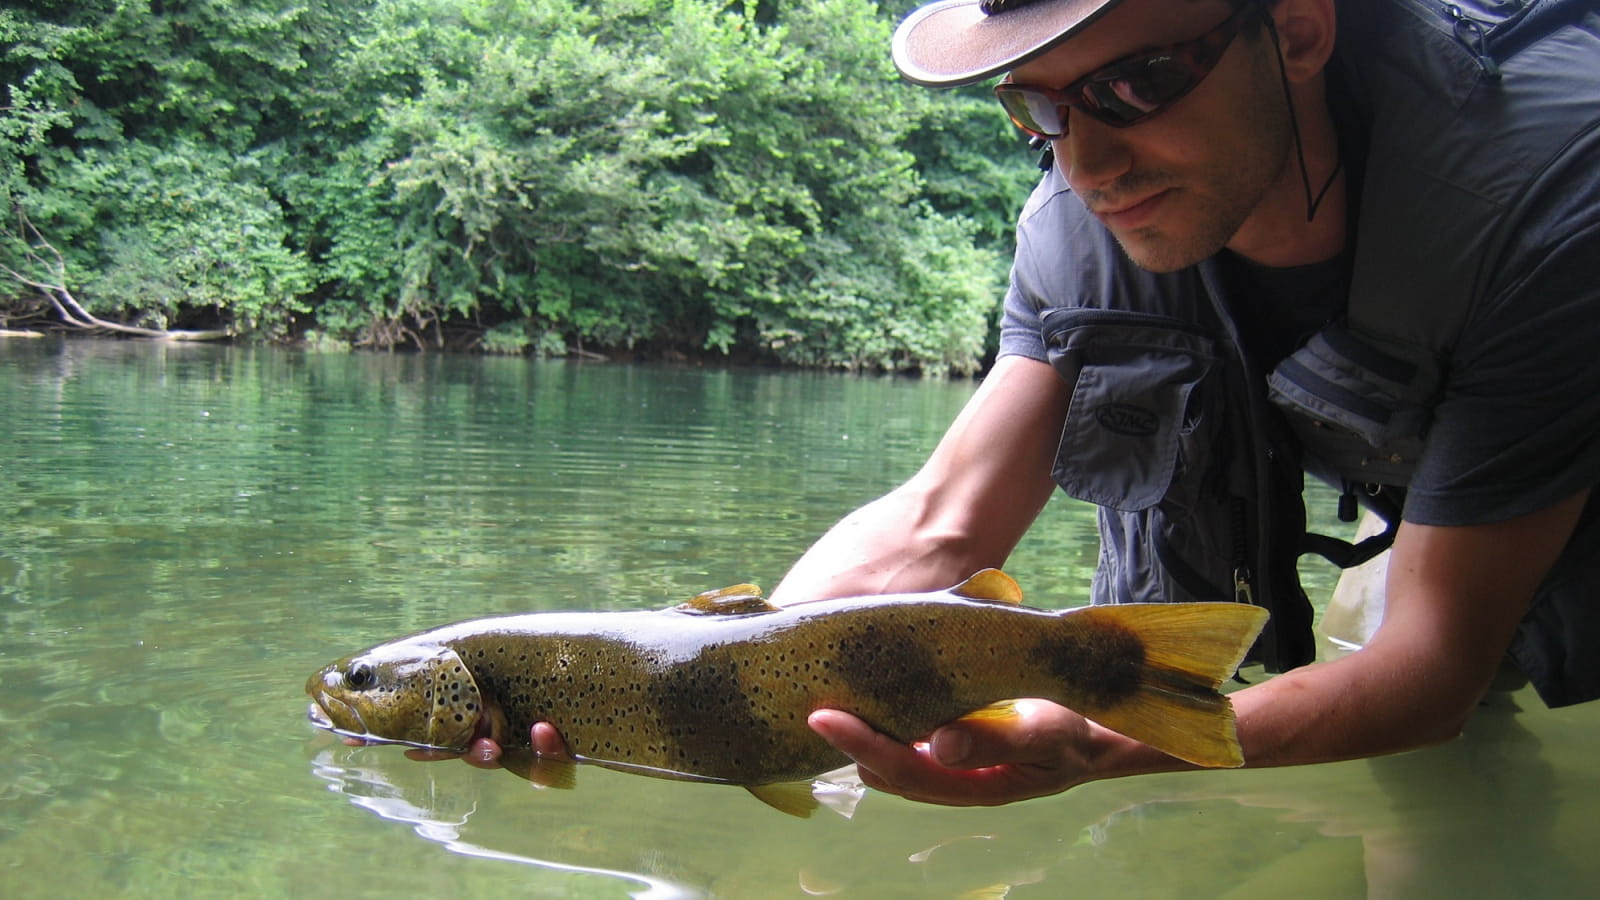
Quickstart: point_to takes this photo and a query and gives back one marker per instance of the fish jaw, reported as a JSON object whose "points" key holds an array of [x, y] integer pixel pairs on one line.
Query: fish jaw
{"points": [[418, 696], [491, 725]]}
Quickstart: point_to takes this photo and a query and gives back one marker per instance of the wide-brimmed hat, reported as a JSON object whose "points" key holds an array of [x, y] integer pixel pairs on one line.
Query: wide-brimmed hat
{"points": [[951, 42]]}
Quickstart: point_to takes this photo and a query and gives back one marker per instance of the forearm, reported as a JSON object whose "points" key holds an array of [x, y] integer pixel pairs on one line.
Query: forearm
{"points": [[1346, 709], [883, 547], [964, 510]]}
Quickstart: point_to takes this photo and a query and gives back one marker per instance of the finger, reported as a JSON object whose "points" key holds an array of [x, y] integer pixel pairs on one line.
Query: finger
{"points": [[548, 743], [483, 754], [885, 764], [913, 772], [849, 734]]}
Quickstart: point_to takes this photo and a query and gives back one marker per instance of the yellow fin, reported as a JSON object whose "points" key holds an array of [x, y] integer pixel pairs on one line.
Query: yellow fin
{"points": [[994, 712], [792, 797], [540, 771], [737, 600], [991, 892], [1189, 650], [990, 584]]}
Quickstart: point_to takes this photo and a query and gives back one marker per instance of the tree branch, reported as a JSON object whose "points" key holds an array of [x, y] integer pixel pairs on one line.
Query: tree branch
{"points": [[60, 297]]}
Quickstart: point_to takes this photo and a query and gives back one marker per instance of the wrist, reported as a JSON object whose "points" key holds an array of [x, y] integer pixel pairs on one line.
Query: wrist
{"points": [[1110, 754]]}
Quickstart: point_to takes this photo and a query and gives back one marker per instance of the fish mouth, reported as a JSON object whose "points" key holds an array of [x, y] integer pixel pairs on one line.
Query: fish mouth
{"points": [[491, 724], [319, 716], [318, 713]]}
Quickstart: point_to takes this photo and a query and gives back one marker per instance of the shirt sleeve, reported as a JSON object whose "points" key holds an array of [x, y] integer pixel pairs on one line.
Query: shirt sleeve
{"points": [[1518, 427], [1020, 332]]}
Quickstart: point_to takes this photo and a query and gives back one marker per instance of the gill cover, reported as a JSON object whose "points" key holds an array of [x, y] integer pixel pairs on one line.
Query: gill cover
{"points": [[425, 697]]}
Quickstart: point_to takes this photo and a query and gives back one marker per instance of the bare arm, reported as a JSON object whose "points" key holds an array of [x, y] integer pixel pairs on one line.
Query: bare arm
{"points": [[965, 509], [1455, 596]]}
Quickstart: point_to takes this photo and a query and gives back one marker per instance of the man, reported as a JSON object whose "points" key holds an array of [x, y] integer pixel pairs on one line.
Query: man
{"points": [[1419, 204], [1272, 237]]}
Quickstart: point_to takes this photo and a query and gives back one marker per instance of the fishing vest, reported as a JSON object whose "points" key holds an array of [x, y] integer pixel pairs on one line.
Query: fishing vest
{"points": [[1466, 119]]}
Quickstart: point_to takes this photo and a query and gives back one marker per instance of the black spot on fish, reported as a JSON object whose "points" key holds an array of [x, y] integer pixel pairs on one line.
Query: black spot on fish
{"points": [[1103, 665], [890, 669], [708, 716]]}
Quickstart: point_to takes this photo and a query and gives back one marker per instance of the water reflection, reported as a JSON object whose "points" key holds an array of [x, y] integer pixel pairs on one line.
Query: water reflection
{"points": [[411, 795], [185, 532], [1482, 816]]}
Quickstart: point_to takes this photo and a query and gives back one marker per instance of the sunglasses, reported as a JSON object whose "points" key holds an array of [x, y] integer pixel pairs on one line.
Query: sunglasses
{"points": [[1127, 91]]}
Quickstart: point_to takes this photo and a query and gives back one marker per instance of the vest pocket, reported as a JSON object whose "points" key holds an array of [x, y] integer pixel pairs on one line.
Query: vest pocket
{"points": [[1356, 407], [1137, 402]]}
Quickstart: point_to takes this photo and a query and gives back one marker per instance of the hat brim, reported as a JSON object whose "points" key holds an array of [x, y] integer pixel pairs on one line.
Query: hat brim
{"points": [[953, 42]]}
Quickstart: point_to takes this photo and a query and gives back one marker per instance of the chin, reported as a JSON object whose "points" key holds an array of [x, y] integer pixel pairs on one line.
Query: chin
{"points": [[1160, 257], [1162, 252]]}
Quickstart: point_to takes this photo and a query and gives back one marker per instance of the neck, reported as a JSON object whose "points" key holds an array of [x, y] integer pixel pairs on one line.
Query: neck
{"points": [[1302, 218]]}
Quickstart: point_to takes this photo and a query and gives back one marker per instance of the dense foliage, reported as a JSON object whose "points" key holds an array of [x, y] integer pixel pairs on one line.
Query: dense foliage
{"points": [[694, 175]]}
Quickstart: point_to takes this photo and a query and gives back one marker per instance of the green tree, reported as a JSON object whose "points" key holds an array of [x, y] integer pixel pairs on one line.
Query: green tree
{"points": [[744, 179]]}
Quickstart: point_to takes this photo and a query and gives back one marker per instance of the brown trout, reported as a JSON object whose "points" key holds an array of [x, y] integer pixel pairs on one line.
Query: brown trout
{"points": [[719, 688]]}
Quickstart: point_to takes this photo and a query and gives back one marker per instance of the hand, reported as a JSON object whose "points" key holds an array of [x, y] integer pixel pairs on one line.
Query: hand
{"points": [[1040, 750], [485, 753]]}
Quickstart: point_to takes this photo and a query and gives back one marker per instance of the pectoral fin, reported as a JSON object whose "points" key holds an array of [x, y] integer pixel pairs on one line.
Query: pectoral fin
{"points": [[792, 797], [540, 771]]}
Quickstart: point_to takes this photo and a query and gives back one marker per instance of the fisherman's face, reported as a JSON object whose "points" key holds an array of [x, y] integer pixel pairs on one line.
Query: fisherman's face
{"points": [[1179, 186]]}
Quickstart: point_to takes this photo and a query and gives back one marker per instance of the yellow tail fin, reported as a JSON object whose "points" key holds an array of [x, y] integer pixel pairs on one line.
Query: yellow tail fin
{"points": [[1189, 650]]}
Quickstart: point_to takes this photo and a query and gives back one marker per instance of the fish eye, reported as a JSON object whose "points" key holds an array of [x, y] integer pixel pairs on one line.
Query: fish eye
{"points": [[359, 677]]}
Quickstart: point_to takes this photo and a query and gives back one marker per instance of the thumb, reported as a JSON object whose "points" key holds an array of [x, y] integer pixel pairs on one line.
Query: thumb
{"points": [[1019, 731]]}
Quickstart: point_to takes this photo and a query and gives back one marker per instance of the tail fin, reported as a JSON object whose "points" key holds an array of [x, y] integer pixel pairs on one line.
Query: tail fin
{"points": [[1189, 650]]}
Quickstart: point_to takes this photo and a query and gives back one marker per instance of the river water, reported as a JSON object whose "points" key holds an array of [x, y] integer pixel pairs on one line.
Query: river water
{"points": [[188, 532]]}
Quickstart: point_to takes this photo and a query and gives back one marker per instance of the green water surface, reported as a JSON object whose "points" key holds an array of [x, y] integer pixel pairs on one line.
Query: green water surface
{"points": [[187, 532]]}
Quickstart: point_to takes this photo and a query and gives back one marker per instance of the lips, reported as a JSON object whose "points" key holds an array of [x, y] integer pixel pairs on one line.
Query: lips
{"points": [[1133, 215]]}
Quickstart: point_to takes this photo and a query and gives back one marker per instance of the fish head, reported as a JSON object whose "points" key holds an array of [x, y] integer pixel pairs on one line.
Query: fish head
{"points": [[424, 696]]}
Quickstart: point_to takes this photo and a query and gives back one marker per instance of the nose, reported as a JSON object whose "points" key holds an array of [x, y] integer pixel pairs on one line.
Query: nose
{"points": [[1092, 154]]}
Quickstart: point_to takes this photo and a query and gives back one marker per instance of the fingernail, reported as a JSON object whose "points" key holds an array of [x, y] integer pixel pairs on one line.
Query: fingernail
{"points": [[950, 746]]}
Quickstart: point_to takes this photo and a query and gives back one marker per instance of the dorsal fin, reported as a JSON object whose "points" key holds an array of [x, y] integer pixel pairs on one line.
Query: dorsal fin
{"points": [[735, 600], [989, 584]]}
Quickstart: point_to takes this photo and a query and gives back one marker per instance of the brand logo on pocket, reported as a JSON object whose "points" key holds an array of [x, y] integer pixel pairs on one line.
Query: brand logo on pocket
{"points": [[1125, 418]]}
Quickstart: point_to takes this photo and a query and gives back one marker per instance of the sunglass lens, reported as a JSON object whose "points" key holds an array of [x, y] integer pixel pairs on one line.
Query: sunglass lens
{"points": [[1033, 112], [1138, 91]]}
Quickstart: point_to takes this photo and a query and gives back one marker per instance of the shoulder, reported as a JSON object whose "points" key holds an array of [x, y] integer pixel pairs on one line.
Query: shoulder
{"points": [[1479, 129]]}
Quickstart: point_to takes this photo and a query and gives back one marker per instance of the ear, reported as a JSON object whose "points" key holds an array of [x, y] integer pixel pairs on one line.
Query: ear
{"points": [[1306, 31]]}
